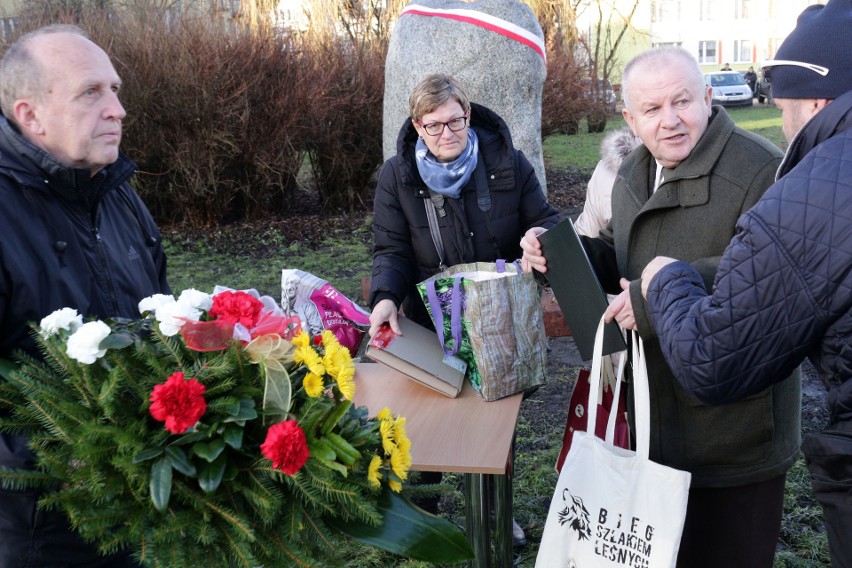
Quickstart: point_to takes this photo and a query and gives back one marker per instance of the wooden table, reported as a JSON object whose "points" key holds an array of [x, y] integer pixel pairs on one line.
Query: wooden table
{"points": [[464, 435]]}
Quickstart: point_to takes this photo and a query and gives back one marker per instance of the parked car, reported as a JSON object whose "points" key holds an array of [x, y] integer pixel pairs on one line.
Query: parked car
{"points": [[763, 90], [729, 89]]}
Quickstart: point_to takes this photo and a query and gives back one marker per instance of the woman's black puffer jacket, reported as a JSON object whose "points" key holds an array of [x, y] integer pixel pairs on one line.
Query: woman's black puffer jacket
{"points": [[403, 250]]}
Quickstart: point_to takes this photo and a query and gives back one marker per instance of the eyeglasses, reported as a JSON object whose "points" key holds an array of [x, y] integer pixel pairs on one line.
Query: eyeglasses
{"points": [[768, 65], [437, 128]]}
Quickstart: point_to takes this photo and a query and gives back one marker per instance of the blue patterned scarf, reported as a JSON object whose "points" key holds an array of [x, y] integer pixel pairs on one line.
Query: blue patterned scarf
{"points": [[447, 178]]}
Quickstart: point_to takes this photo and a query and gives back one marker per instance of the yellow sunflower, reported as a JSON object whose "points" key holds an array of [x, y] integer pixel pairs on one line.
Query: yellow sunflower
{"points": [[373, 473], [313, 384]]}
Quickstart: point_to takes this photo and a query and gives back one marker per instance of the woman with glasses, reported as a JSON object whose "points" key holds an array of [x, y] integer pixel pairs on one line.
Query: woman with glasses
{"points": [[455, 163]]}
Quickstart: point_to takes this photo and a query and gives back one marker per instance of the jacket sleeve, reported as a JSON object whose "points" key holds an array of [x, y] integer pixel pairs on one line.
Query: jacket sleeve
{"points": [[536, 211], [597, 208], [393, 253], [755, 328], [762, 177]]}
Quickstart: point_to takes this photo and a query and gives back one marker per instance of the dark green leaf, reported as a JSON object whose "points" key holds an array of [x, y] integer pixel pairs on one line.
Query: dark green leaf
{"points": [[409, 531], [245, 411], [209, 450], [180, 461], [147, 454], [116, 341], [233, 436], [210, 475], [161, 484], [190, 438]]}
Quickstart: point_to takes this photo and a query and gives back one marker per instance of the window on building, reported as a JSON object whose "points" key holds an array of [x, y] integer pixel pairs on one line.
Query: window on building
{"points": [[707, 51], [743, 51], [665, 10], [708, 10], [668, 44], [742, 9]]}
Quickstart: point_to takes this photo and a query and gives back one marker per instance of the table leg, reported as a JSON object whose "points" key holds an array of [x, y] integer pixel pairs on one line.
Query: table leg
{"points": [[477, 519], [503, 555], [484, 494]]}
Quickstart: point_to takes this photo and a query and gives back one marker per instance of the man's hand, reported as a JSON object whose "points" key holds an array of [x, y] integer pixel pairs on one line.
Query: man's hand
{"points": [[384, 311], [532, 257], [651, 270], [621, 308]]}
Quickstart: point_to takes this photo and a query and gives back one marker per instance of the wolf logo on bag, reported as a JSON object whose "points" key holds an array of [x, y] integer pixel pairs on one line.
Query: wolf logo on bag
{"points": [[575, 514]]}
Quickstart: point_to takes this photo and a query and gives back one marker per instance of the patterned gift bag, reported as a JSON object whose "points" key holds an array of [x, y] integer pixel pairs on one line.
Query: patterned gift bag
{"points": [[489, 314]]}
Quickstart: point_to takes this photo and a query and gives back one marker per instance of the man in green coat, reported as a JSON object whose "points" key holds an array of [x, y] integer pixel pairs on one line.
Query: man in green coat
{"points": [[679, 195]]}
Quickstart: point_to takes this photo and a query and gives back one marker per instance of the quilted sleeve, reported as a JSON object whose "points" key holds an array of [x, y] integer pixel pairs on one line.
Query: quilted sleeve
{"points": [[754, 329]]}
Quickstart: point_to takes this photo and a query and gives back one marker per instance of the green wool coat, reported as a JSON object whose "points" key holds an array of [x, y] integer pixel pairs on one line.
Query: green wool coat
{"points": [[692, 217]]}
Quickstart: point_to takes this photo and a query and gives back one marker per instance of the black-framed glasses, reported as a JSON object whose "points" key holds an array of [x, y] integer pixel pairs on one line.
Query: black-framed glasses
{"points": [[437, 128], [768, 65]]}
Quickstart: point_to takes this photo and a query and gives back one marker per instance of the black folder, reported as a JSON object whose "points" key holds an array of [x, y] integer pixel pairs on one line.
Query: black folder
{"points": [[577, 289]]}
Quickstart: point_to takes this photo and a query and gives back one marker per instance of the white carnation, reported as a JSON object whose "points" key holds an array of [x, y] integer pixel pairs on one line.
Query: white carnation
{"points": [[173, 316], [84, 344], [153, 303], [65, 318], [196, 299]]}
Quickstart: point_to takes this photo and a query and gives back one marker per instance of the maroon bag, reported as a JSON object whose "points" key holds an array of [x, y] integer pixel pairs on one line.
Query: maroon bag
{"points": [[577, 413]]}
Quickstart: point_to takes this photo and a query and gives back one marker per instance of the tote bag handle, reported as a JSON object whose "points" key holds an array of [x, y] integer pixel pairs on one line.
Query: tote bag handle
{"points": [[642, 399], [455, 308]]}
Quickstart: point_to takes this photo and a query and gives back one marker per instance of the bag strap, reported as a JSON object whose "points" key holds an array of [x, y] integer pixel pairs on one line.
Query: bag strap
{"points": [[436, 202], [641, 396], [642, 399], [438, 315], [613, 413], [483, 199]]}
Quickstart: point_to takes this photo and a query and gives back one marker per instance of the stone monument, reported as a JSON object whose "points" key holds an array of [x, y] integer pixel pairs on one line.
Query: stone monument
{"points": [[494, 47]]}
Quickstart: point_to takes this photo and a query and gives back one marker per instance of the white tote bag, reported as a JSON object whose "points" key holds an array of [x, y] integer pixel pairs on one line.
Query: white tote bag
{"points": [[614, 508]]}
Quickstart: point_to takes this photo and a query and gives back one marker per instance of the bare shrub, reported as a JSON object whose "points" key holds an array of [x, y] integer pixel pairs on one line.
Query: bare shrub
{"points": [[344, 128], [564, 96], [211, 118]]}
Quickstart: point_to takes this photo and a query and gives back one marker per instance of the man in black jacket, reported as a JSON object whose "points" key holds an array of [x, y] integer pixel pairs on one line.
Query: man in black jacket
{"points": [[74, 235], [783, 291]]}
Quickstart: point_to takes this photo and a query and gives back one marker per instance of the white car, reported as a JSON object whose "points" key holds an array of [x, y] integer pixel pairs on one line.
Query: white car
{"points": [[729, 88]]}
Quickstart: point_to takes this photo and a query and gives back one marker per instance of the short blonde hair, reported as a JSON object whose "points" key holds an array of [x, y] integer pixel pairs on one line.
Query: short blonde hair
{"points": [[434, 91]]}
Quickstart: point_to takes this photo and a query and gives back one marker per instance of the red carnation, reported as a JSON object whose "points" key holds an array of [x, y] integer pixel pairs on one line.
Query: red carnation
{"points": [[236, 307], [179, 402], [286, 446]]}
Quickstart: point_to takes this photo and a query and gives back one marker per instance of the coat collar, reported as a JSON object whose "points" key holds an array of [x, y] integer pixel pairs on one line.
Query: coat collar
{"points": [[32, 167]]}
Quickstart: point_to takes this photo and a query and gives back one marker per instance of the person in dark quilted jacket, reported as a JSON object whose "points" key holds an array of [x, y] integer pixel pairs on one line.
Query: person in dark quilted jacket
{"points": [[682, 192], [783, 291]]}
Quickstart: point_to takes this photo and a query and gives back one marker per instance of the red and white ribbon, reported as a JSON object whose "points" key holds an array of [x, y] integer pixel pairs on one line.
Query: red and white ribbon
{"points": [[483, 20]]}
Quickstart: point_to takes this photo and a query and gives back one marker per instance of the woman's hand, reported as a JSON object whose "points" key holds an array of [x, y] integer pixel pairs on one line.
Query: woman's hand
{"points": [[532, 257], [384, 311]]}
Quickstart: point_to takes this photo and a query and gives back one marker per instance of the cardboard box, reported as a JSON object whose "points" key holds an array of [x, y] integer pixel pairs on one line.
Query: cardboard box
{"points": [[418, 354]]}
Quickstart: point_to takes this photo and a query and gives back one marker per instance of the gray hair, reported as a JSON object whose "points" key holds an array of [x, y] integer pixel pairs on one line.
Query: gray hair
{"points": [[20, 73], [658, 58]]}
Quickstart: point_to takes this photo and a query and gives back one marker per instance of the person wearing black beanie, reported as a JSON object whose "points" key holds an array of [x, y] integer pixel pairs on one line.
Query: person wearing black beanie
{"points": [[783, 291]]}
